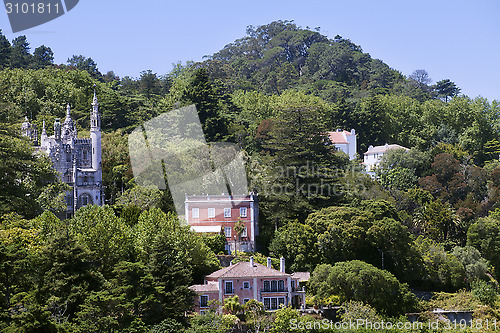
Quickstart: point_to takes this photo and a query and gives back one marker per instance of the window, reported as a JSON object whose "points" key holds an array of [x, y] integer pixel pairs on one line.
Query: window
{"points": [[274, 285], [243, 212], [245, 300], [204, 301], [267, 286], [281, 301], [274, 303], [227, 232], [293, 285], [246, 285], [281, 285], [211, 212], [267, 303], [195, 213], [244, 232], [85, 200], [227, 212], [228, 287]]}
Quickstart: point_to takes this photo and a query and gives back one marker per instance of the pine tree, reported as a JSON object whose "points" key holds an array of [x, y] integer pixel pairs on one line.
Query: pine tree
{"points": [[202, 94], [304, 166], [4, 51]]}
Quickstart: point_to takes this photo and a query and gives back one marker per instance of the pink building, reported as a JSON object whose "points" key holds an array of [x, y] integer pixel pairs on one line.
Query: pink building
{"points": [[250, 280], [221, 213]]}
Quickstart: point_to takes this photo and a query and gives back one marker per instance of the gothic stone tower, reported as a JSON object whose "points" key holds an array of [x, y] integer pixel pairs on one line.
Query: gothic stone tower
{"points": [[78, 160]]}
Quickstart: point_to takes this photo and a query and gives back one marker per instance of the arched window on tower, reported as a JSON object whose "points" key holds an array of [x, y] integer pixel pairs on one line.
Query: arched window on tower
{"points": [[84, 200]]}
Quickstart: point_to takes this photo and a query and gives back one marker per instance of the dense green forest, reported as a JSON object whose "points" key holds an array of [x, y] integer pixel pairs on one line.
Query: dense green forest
{"points": [[430, 221]]}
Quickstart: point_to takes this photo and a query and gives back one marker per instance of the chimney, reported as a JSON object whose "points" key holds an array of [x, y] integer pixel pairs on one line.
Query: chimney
{"points": [[282, 265], [269, 263], [353, 132], [251, 261]]}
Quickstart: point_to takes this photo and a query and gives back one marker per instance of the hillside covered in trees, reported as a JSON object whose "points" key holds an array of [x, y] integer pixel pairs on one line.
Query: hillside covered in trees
{"points": [[430, 221]]}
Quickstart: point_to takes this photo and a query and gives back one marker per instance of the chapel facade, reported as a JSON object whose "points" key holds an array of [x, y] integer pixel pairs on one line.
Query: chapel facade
{"points": [[78, 160]]}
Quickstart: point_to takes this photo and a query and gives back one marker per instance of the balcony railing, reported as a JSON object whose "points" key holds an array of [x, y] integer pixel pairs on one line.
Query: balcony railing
{"points": [[278, 290]]}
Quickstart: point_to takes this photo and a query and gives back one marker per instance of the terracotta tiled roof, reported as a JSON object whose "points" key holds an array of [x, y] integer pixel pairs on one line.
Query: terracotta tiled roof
{"points": [[243, 269], [338, 137], [210, 286], [302, 276], [383, 149]]}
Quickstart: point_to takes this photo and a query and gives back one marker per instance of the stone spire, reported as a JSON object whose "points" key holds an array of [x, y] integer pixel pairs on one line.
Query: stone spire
{"points": [[95, 117], [69, 130], [43, 137], [44, 131], [26, 127]]}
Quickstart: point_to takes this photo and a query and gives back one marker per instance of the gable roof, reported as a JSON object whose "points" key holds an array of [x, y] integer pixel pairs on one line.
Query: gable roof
{"points": [[302, 276], [244, 270], [338, 137], [383, 149], [209, 287]]}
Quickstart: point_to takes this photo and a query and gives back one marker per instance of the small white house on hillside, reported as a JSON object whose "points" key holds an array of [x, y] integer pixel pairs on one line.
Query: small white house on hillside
{"points": [[344, 141], [374, 155]]}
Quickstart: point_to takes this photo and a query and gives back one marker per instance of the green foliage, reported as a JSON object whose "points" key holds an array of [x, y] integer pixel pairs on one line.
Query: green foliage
{"points": [[212, 323], [257, 257], [358, 281], [370, 232], [29, 183], [460, 301], [161, 237], [66, 274], [168, 326], [232, 305], [282, 319], [442, 270], [202, 94], [476, 267], [415, 160], [303, 170], [255, 316], [216, 243], [102, 232], [353, 311], [484, 292], [446, 88], [484, 235], [85, 64], [399, 178], [129, 300]]}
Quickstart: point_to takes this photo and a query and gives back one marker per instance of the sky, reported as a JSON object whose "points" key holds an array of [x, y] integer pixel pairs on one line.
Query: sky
{"points": [[450, 39]]}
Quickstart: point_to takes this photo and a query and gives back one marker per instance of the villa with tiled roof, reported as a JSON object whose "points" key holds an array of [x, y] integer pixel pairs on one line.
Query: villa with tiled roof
{"points": [[251, 280], [374, 155], [345, 141]]}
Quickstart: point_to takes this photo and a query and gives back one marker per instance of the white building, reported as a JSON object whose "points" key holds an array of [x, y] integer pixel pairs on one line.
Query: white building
{"points": [[78, 160], [374, 154], [345, 141]]}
